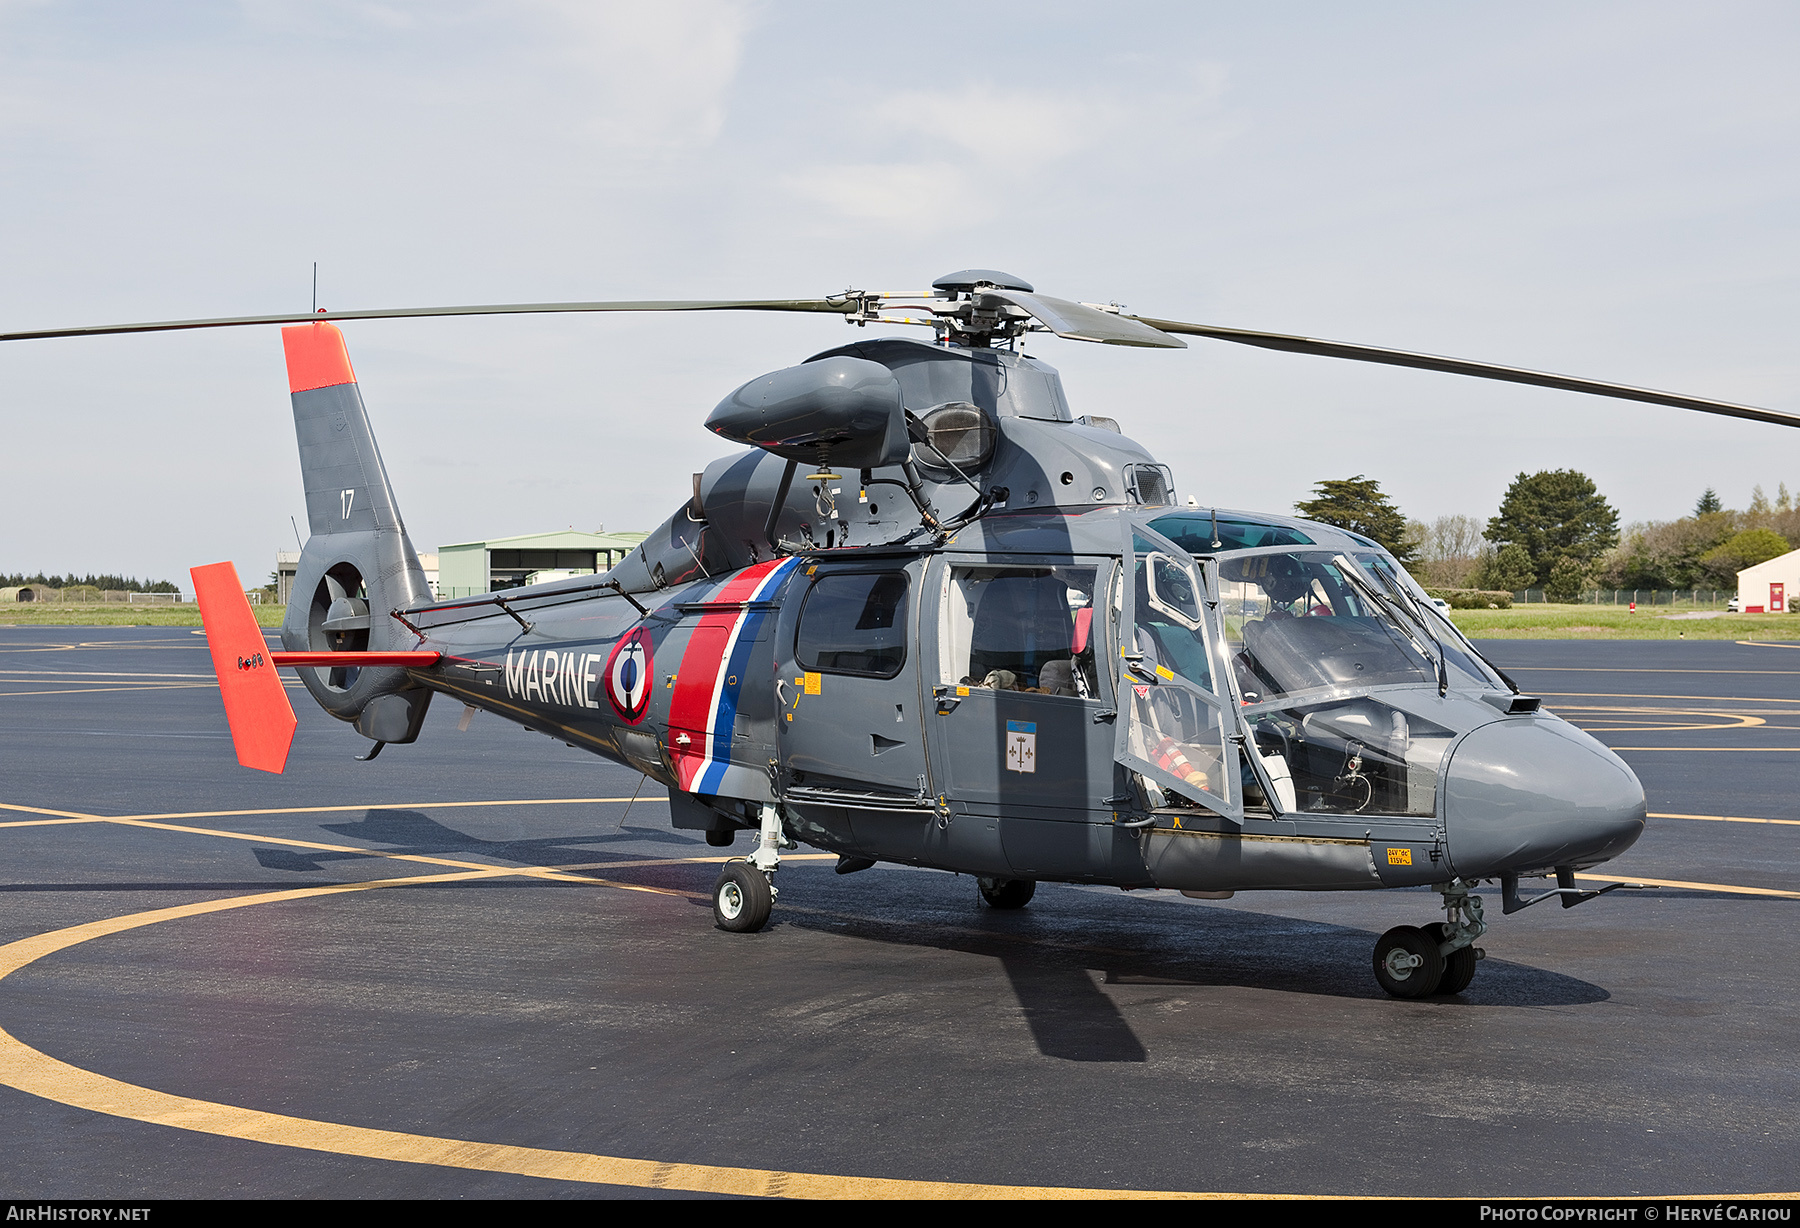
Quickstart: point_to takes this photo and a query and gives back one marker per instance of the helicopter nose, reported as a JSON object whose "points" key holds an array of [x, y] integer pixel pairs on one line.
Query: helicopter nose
{"points": [[1524, 795]]}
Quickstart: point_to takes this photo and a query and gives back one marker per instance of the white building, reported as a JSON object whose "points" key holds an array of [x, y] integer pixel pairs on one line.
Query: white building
{"points": [[1768, 587]]}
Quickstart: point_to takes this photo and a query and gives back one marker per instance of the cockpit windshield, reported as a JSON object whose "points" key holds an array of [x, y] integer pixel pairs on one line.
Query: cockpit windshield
{"points": [[1464, 667], [1309, 620]]}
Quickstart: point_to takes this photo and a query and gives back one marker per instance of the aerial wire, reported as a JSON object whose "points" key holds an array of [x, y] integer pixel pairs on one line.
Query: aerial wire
{"points": [[633, 801]]}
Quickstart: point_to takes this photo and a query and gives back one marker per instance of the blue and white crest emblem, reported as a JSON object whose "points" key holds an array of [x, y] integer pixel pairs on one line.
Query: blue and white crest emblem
{"points": [[628, 672]]}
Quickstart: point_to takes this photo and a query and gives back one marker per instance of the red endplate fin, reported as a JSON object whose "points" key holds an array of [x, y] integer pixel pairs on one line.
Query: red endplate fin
{"points": [[257, 709], [316, 357]]}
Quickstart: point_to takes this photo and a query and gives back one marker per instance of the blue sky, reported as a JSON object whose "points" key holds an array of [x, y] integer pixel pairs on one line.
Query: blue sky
{"points": [[1598, 189]]}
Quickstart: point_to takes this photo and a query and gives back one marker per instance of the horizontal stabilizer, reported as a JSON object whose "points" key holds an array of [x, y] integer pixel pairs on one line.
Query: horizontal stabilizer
{"points": [[357, 660], [257, 709]]}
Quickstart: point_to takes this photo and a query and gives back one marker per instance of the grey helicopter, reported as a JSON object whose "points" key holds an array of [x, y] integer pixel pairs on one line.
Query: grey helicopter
{"points": [[932, 616]]}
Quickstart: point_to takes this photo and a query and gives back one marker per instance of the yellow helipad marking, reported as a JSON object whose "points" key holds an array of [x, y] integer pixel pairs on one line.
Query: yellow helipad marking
{"points": [[61, 814], [37, 1073], [48, 822], [557, 872], [137, 686], [63, 675], [423, 859], [1737, 719], [1673, 882], [1619, 669], [1725, 818], [131, 644], [1724, 720], [1723, 699], [1766, 644], [317, 846], [221, 814], [514, 801]]}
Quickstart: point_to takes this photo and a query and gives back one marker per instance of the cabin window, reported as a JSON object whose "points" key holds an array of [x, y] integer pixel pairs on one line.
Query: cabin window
{"points": [[854, 623], [1019, 629]]}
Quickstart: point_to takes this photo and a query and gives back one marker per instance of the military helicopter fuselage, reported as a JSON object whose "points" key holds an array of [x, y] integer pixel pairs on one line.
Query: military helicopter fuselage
{"points": [[1066, 676], [932, 616]]}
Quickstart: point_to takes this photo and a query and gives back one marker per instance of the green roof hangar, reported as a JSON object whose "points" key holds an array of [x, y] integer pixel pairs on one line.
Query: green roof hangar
{"points": [[467, 569]]}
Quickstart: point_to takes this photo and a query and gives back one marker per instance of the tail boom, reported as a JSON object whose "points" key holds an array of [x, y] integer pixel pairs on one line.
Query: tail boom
{"points": [[356, 660]]}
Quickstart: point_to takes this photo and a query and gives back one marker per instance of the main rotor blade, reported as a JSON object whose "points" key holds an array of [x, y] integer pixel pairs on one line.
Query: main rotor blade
{"points": [[824, 305], [1461, 366], [1082, 323]]}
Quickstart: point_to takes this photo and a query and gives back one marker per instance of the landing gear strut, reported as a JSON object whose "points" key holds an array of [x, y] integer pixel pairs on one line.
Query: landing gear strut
{"points": [[1439, 959], [745, 892]]}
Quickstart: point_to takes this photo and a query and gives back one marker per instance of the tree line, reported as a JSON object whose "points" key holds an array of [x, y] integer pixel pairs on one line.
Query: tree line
{"points": [[107, 583], [1555, 530]]}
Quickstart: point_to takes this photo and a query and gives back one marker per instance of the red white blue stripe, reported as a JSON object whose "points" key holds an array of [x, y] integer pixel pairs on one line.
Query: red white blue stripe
{"points": [[705, 703]]}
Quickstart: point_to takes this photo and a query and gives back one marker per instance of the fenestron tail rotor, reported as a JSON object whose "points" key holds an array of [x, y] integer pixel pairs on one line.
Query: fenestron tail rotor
{"points": [[980, 308]]}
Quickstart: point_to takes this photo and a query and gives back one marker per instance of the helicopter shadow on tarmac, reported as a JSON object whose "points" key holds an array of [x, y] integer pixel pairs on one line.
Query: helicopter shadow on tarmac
{"points": [[416, 834], [1060, 956]]}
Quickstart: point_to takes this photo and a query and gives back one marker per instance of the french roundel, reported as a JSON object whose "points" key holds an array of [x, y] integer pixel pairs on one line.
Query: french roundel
{"points": [[628, 672]]}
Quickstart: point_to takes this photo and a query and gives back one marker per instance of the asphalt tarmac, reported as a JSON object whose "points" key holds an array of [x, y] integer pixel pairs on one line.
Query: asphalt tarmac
{"points": [[475, 968]]}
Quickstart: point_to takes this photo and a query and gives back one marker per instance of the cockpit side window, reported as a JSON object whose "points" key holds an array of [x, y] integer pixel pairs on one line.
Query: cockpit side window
{"points": [[854, 623], [1168, 627], [1020, 629]]}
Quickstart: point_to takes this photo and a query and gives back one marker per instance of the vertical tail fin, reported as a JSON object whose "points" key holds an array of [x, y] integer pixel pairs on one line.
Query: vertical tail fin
{"points": [[347, 487], [256, 707], [359, 565]]}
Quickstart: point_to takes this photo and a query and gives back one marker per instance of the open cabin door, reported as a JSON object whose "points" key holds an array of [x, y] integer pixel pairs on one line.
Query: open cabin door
{"points": [[1176, 723], [1019, 749]]}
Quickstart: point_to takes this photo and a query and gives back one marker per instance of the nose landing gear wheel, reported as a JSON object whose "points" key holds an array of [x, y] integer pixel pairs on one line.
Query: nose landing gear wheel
{"points": [[1407, 962], [742, 898], [1007, 892], [1459, 965]]}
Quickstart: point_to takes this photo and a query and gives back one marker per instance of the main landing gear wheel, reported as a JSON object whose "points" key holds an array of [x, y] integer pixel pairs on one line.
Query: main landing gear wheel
{"points": [[1459, 965], [742, 898], [1007, 892], [1407, 962]]}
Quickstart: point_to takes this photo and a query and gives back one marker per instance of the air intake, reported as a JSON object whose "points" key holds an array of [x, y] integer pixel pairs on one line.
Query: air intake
{"points": [[1151, 485]]}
